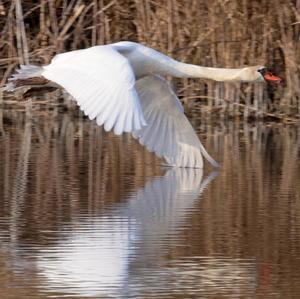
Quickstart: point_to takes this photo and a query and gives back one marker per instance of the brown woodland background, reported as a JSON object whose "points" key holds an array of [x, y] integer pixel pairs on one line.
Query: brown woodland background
{"points": [[217, 33]]}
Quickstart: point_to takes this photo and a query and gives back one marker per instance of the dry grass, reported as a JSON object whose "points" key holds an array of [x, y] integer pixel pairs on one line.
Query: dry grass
{"points": [[212, 33]]}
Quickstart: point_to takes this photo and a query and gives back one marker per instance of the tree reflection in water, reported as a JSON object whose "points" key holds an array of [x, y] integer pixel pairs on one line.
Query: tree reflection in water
{"points": [[86, 213]]}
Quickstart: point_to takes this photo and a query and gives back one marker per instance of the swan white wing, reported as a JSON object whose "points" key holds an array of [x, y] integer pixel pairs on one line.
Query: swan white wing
{"points": [[169, 133], [102, 82]]}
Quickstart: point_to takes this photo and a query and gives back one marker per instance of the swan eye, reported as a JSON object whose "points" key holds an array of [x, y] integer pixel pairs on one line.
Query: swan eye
{"points": [[263, 70]]}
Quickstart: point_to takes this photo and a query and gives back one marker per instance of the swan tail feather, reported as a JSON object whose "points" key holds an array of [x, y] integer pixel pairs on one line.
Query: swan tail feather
{"points": [[26, 75]]}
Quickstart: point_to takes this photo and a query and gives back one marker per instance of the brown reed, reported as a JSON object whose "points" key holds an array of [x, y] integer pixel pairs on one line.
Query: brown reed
{"points": [[210, 33]]}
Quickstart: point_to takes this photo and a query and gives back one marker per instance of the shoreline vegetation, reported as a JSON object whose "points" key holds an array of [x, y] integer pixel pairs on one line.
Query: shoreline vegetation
{"points": [[209, 33]]}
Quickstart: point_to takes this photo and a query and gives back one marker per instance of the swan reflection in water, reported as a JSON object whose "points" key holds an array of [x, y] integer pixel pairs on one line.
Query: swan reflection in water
{"points": [[118, 254]]}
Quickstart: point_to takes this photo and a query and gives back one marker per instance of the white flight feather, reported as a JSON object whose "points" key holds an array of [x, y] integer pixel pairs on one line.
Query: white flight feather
{"points": [[168, 133], [102, 82]]}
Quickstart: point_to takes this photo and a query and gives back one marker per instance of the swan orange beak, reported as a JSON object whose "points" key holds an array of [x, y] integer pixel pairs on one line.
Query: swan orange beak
{"points": [[268, 76]]}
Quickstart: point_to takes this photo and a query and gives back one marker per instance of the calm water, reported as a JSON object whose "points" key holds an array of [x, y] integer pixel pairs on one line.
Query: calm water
{"points": [[85, 214]]}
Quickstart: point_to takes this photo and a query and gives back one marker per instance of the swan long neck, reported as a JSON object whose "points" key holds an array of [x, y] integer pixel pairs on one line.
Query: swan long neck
{"points": [[184, 70], [146, 61]]}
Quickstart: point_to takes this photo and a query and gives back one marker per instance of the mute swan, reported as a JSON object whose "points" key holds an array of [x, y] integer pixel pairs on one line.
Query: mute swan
{"points": [[121, 86]]}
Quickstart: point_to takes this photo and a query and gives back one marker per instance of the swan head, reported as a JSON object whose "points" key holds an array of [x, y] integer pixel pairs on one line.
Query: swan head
{"points": [[268, 76], [261, 74]]}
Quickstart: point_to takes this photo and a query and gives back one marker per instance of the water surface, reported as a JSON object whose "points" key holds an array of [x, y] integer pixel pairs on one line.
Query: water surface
{"points": [[85, 214]]}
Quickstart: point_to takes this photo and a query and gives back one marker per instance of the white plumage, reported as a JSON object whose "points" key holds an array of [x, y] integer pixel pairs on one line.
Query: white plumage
{"points": [[120, 86], [169, 133], [103, 84]]}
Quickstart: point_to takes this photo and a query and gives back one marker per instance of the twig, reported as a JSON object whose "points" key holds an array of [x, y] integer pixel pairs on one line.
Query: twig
{"points": [[70, 22], [21, 34]]}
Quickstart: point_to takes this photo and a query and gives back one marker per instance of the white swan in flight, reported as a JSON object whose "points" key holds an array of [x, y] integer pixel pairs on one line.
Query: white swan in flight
{"points": [[121, 86]]}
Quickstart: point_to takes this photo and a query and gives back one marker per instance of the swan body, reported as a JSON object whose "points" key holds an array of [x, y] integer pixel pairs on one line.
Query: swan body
{"points": [[122, 87]]}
